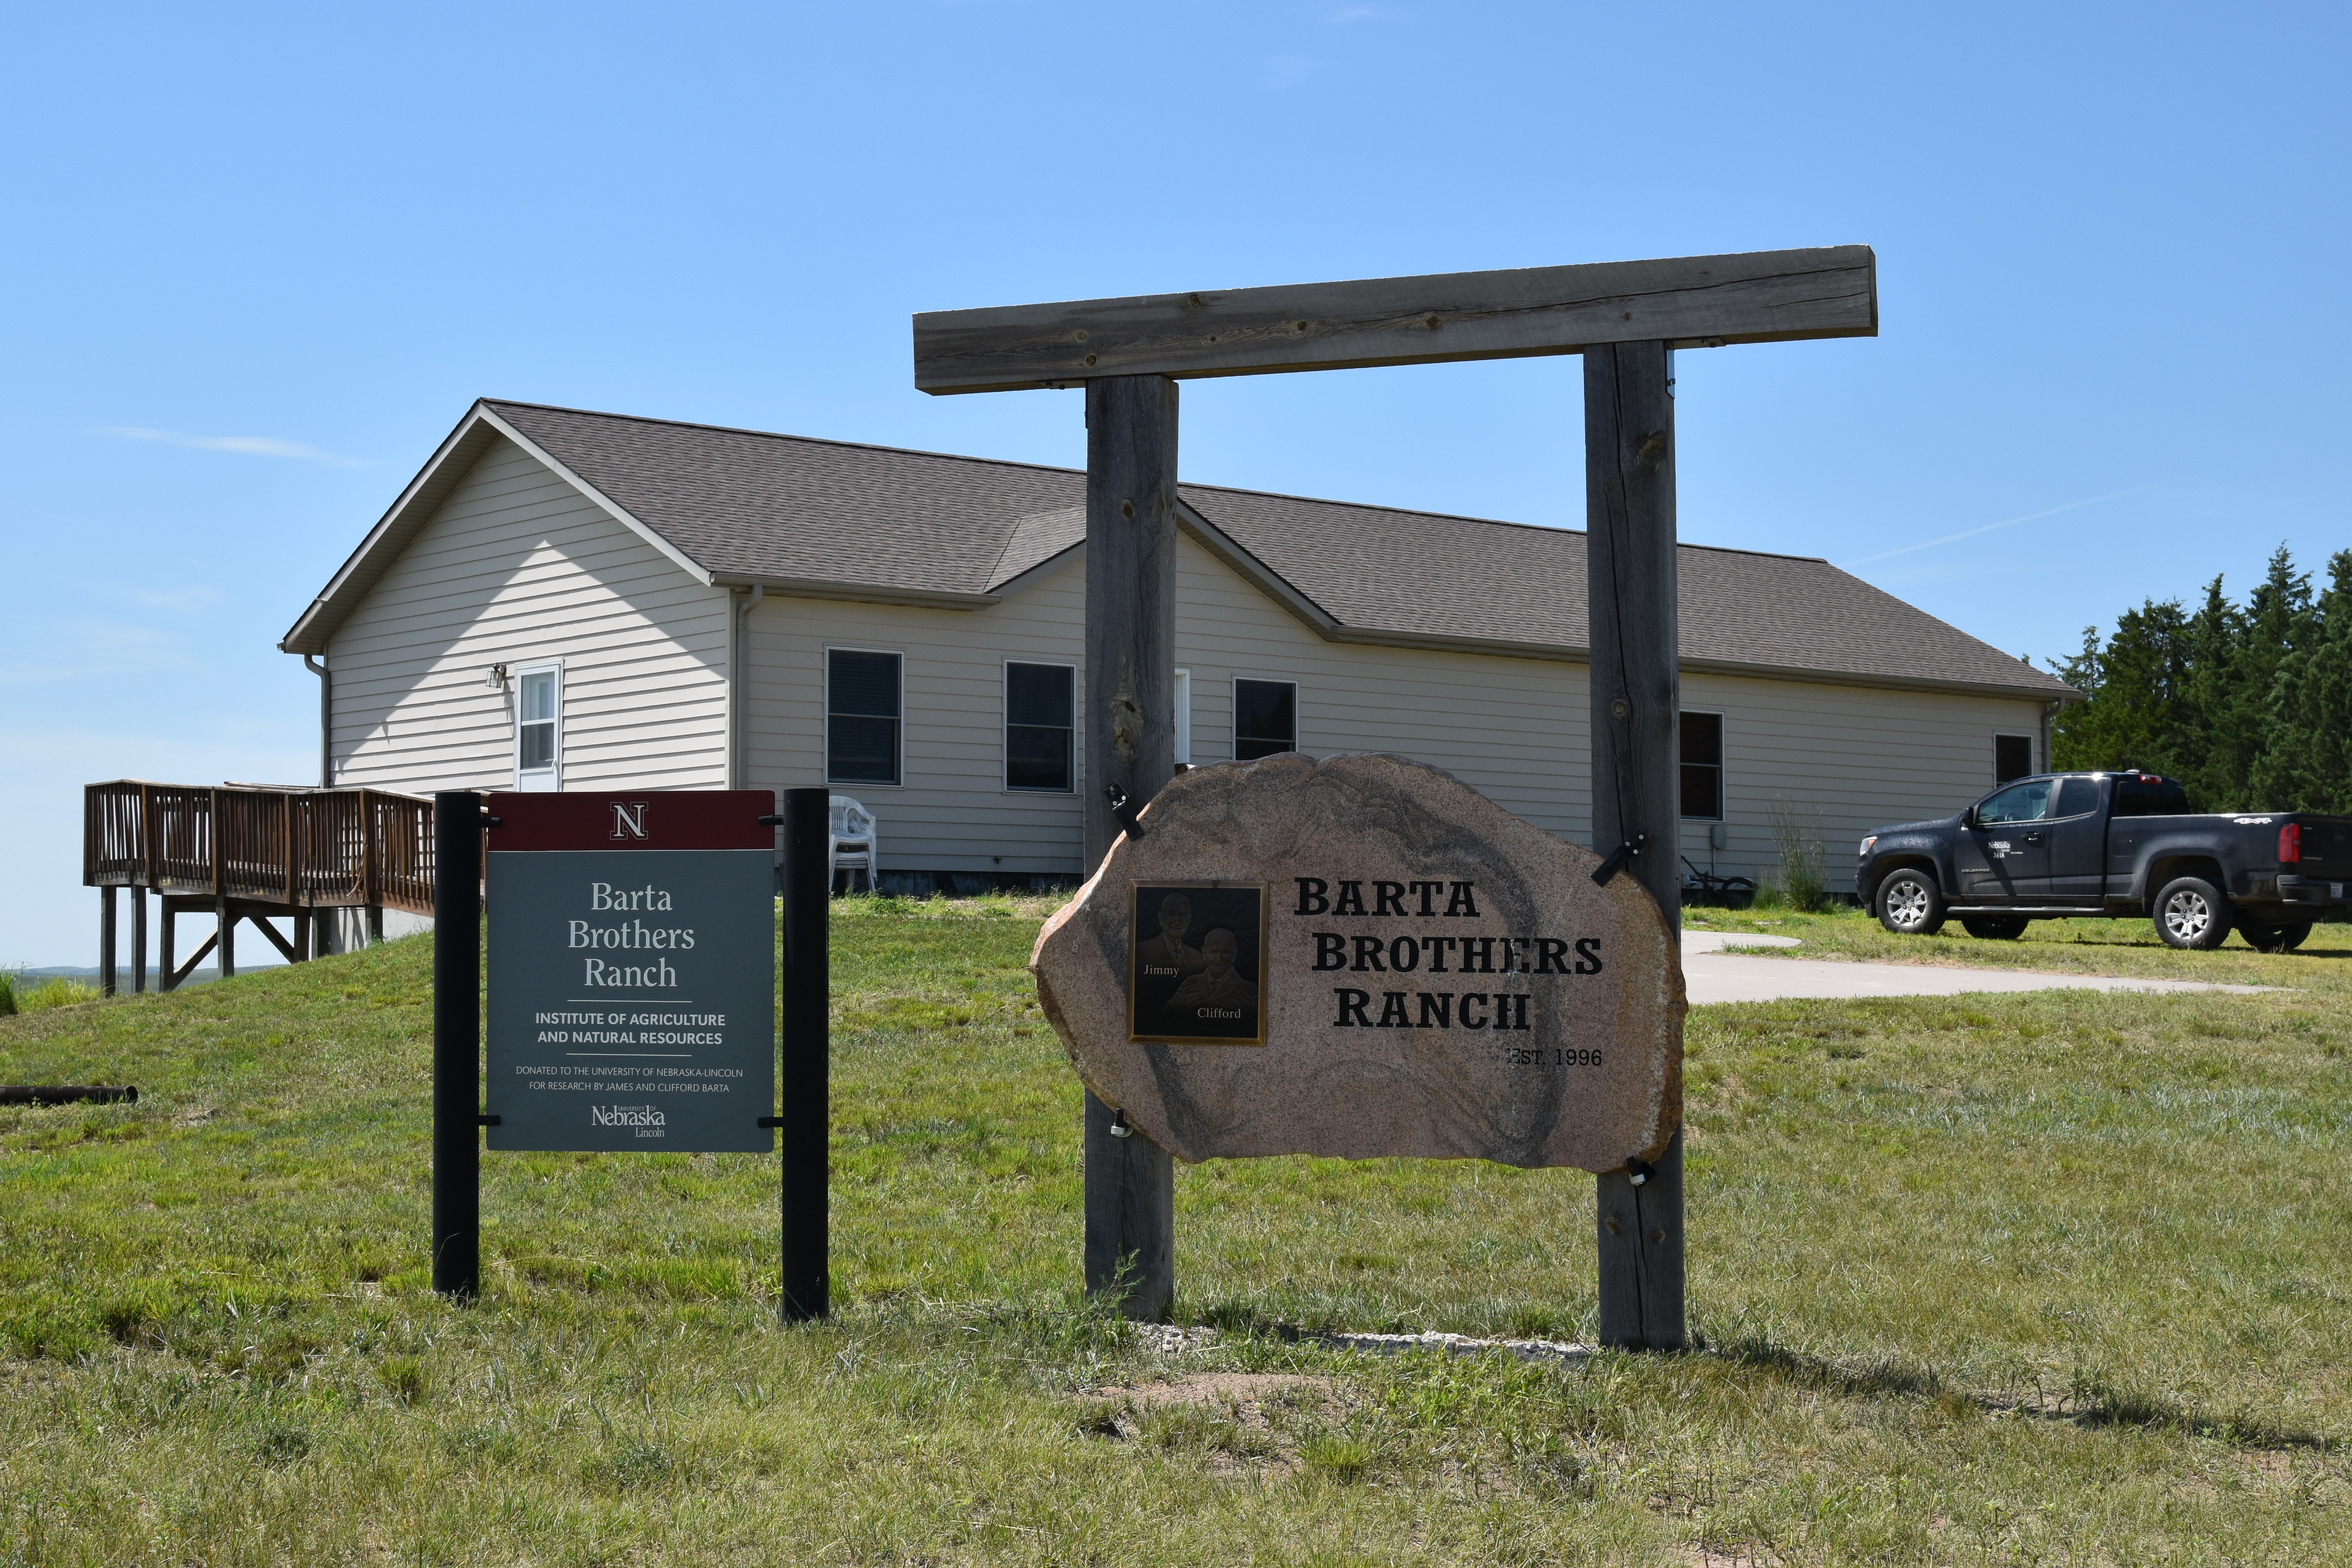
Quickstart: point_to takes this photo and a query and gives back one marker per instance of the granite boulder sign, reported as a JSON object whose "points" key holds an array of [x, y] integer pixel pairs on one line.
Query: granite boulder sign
{"points": [[1360, 957]]}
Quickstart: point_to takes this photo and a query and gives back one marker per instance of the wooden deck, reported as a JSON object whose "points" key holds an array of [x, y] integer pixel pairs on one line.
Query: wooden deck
{"points": [[251, 853]]}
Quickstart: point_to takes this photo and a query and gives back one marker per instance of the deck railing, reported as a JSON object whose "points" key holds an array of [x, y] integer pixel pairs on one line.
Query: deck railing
{"points": [[300, 848]]}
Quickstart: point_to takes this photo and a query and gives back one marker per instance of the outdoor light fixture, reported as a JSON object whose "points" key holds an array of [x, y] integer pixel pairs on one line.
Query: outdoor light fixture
{"points": [[498, 677]]}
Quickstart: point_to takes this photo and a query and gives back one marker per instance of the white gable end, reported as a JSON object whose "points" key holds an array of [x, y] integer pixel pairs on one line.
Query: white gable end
{"points": [[517, 567]]}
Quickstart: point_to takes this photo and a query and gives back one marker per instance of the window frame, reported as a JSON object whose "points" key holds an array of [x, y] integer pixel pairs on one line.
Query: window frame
{"points": [[1298, 715], [1004, 726], [548, 780], [1998, 737], [899, 734], [1721, 812]]}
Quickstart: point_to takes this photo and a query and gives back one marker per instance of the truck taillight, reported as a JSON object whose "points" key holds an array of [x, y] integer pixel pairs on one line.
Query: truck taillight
{"points": [[2291, 844]]}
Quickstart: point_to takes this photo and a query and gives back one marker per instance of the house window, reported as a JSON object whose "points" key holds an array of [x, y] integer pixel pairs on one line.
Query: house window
{"points": [[861, 717], [2012, 757], [1040, 704], [1702, 766], [1265, 718], [537, 727]]}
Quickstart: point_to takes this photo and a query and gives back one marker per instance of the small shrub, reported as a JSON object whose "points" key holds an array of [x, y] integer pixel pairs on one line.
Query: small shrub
{"points": [[1804, 878]]}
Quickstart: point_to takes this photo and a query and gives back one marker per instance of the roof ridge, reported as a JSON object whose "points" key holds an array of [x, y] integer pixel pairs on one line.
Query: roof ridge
{"points": [[781, 436]]}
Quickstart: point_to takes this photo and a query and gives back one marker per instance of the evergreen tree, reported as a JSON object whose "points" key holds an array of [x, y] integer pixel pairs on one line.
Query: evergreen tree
{"points": [[2249, 707]]}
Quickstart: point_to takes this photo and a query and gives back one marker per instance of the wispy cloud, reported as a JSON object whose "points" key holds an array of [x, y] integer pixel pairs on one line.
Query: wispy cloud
{"points": [[251, 446], [2005, 522]]}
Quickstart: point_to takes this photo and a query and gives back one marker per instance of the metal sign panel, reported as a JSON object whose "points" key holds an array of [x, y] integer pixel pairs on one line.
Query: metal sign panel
{"points": [[632, 971]]}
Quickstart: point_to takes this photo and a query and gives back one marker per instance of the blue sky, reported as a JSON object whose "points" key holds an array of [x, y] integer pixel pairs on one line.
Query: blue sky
{"points": [[260, 259]]}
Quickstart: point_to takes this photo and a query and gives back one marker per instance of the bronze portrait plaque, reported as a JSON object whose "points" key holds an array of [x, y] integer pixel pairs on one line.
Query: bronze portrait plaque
{"points": [[1196, 963]]}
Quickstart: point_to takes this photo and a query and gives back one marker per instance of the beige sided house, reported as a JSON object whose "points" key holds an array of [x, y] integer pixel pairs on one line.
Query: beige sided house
{"points": [[567, 600]]}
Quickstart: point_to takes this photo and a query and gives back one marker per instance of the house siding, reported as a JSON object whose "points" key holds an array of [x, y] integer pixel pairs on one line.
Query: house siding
{"points": [[1840, 761], [1845, 758], [517, 567]]}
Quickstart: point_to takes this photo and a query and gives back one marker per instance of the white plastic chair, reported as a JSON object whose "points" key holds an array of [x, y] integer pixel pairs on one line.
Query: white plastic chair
{"points": [[852, 844]]}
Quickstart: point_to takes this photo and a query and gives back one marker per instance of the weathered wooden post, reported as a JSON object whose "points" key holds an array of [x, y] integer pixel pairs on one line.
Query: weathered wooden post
{"points": [[138, 940], [1130, 748], [1629, 497]]}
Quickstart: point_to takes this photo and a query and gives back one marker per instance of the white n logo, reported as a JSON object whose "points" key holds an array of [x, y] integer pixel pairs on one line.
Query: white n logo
{"points": [[629, 819]]}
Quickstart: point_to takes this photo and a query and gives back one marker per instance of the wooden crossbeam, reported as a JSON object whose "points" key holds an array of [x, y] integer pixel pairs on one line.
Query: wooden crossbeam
{"points": [[261, 924], [1763, 296], [179, 976]]}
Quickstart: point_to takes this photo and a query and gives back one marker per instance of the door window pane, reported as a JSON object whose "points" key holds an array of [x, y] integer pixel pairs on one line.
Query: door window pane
{"points": [[2019, 803], [535, 723], [1265, 718], [1040, 701], [1702, 766], [2076, 797], [861, 730]]}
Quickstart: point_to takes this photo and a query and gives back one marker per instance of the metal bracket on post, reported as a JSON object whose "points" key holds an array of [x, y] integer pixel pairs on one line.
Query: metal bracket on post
{"points": [[1618, 857], [1120, 809]]}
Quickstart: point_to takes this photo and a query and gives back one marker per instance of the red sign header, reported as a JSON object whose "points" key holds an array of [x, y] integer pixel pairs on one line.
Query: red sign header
{"points": [[632, 819]]}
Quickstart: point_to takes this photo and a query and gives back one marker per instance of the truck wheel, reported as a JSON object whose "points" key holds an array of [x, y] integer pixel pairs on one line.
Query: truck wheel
{"points": [[1995, 928], [2274, 939], [1909, 904], [2191, 913]]}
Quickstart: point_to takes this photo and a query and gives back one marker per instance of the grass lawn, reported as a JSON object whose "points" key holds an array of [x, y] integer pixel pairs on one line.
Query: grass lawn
{"points": [[2056, 1278]]}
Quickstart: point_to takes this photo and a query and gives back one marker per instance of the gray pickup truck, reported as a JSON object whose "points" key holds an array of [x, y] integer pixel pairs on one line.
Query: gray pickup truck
{"points": [[2112, 844]]}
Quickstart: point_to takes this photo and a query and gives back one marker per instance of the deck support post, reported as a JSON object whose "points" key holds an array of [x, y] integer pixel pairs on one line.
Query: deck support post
{"points": [[224, 928], [1130, 737], [166, 951], [1629, 467], [106, 940], [138, 942]]}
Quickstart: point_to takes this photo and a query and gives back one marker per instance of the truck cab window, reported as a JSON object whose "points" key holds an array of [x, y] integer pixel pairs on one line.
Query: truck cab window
{"points": [[2027, 802], [2142, 797], [2076, 797]]}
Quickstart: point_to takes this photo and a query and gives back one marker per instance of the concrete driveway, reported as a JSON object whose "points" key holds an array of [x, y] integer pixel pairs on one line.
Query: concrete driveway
{"points": [[1716, 975]]}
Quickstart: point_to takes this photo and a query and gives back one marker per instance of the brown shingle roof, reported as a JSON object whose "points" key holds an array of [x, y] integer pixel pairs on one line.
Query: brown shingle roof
{"points": [[748, 506]]}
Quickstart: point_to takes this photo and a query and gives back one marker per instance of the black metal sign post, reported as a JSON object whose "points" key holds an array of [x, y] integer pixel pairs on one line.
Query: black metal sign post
{"points": [[806, 1117], [456, 1036], [631, 995]]}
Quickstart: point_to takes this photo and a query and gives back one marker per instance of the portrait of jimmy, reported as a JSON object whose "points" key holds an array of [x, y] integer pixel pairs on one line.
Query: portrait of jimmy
{"points": [[1197, 974]]}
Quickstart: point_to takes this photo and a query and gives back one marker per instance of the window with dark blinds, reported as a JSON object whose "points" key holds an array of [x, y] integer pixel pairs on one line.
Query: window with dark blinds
{"points": [[2012, 757], [1040, 704], [1265, 718], [861, 717], [1702, 777]]}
